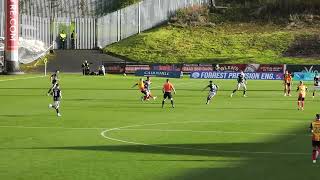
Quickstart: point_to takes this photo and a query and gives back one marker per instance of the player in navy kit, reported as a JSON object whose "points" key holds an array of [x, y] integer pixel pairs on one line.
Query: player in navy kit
{"points": [[316, 84], [54, 80], [57, 95], [213, 88], [242, 83]]}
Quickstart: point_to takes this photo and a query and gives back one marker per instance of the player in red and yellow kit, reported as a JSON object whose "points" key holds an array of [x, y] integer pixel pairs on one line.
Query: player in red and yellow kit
{"points": [[287, 78], [167, 89], [315, 130], [302, 89], [142, 89]]}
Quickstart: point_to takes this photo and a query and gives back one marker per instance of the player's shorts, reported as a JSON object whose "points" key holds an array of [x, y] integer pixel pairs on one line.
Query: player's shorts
{"points": [[241, 85], [167, 95], [144, 92], [56, 104], [211, 94], [316, 144], [300, 98], [54, 82]]}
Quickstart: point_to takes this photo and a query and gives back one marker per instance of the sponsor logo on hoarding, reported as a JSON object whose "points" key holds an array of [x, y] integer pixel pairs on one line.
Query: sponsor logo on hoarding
{"points": [[12, 21], [249, 68], [234, 75], [171, 74], [301, 76]]}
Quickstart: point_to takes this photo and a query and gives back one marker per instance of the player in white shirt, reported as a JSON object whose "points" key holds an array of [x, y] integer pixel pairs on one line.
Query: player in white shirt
{"points": [[242, 83], [212, 91]]}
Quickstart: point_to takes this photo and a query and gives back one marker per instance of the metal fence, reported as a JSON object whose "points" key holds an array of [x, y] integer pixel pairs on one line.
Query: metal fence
{"points": [[94, 32], [136, 18], [65, 8]]}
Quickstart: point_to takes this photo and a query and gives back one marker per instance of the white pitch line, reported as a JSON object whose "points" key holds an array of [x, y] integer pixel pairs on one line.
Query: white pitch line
{"points": [[101, 128], [42, 127], [103, 134], [3, 80], [216, 132]]}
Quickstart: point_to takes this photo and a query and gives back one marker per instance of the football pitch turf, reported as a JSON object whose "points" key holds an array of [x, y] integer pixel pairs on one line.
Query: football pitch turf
{"points": [[106, 132]]}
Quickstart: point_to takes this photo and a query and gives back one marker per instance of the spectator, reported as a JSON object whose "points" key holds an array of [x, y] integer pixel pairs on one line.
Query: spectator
{"points": [[73, 40], [63, 38], [102, 71], [85, 68]]}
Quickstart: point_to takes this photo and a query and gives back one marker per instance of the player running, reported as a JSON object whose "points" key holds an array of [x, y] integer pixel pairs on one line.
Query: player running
{"points": [[147, 86], [142, 89], [242, 83], [287, 78], [167, 89], [57, 96], [54, 80], [212, 92], [315, 130], [316, 84], [302, 89]]}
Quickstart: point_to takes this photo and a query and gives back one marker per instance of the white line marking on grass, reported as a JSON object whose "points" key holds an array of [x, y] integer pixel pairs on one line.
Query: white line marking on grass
{"points": [[104, 134], [3, 80], [215, 132], [41, 127], [141, 125]]}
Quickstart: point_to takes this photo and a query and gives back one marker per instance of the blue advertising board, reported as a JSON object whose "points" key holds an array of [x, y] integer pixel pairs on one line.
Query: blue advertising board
{"points": [[301, 76], [169, 74], [234, 75]]}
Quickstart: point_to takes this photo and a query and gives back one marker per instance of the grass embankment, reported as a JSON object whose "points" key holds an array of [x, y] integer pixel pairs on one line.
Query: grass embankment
{"points": [[225, 43]]}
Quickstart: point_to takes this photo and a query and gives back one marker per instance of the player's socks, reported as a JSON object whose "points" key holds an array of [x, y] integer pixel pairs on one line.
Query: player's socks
{"points": [[289, 92], [313, 94], [172, 103], [163, 103], [302, 105], [314, 155], [50, 105]]}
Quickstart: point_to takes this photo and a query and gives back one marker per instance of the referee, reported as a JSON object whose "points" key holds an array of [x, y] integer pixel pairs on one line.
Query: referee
{"points": [[167, 92]]}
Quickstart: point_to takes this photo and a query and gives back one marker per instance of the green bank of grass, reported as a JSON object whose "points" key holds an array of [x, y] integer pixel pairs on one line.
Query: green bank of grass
{"points": [[232, 138], [229, 43]]}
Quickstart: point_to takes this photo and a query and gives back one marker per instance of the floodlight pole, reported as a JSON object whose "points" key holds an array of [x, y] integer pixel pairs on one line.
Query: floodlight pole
{"points": [[12, 37]]}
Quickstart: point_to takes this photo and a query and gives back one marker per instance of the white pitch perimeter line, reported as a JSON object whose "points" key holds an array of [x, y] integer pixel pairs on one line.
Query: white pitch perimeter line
{"points": [[216, 132], [41, 127], [125, 127], [103, 134], [3, 80]]}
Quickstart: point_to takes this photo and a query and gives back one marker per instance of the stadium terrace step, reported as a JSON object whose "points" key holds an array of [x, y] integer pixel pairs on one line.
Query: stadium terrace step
{"points": [[71, 60]]}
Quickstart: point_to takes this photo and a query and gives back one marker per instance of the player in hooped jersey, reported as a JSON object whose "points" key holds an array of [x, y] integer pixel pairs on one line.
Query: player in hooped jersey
{"points": [[242, 83], [167, 92], [302, 89], [54, 80], [142, 89], [287, 78], [315, 130], [213, 88], [316, 85], [57, 95], [147, 86]]}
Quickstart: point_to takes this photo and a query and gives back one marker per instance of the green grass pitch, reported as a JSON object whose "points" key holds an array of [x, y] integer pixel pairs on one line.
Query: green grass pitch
{"points": [[262, 136]]}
